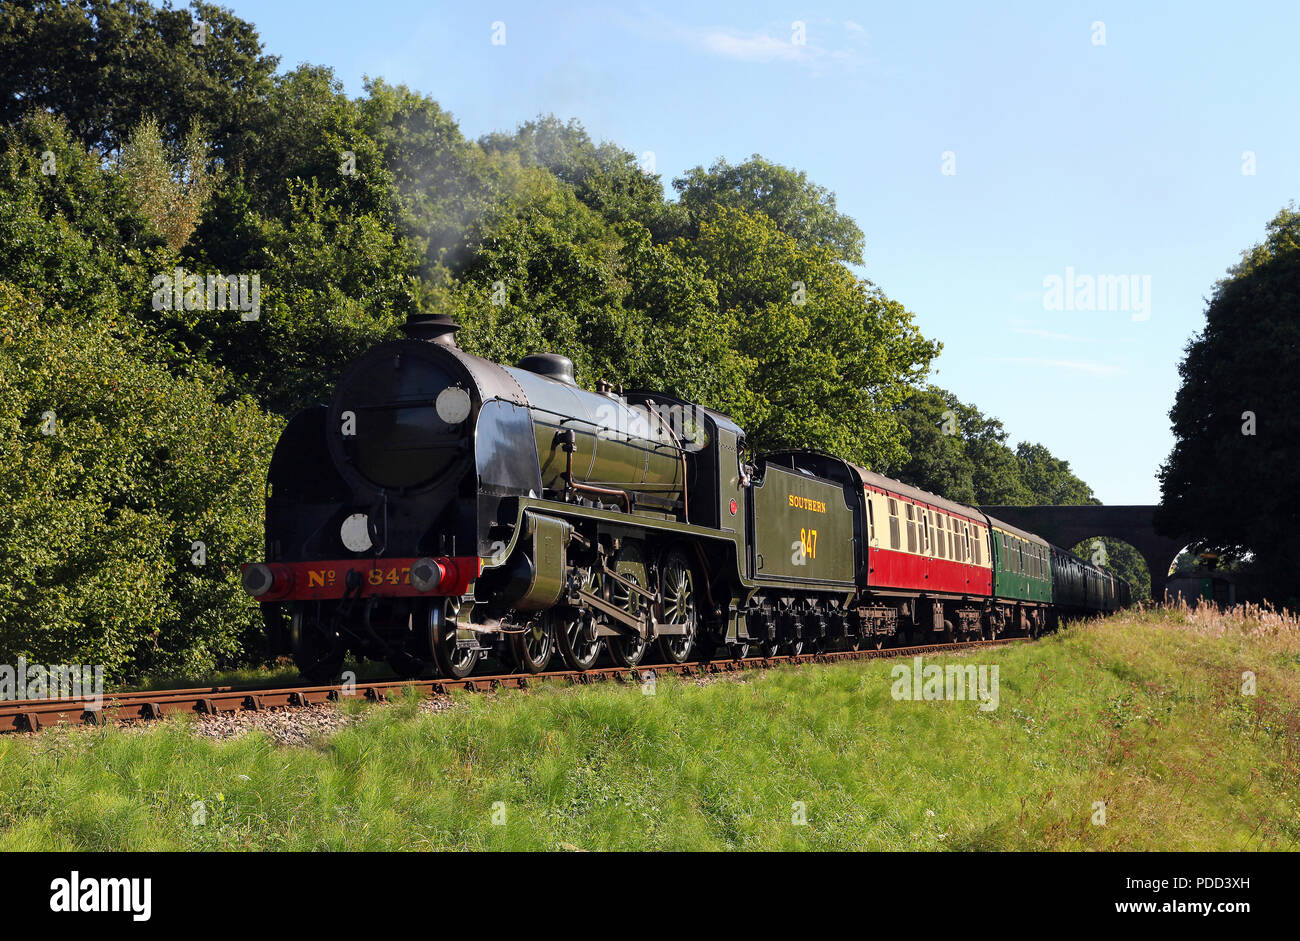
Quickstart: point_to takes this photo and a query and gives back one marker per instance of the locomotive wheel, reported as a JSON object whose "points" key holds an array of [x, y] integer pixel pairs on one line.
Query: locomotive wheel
{"points": [[453, 661], [533, 647], [577, 640], [318, 658], [575, 631], [678, 589], [626, 650]]}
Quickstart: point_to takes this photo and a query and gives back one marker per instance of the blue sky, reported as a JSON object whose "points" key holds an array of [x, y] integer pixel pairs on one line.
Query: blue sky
{"points": [[984, 152]]}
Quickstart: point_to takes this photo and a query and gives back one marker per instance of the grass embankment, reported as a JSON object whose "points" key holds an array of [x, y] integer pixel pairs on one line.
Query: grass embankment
{"points": [[1144, 711]]}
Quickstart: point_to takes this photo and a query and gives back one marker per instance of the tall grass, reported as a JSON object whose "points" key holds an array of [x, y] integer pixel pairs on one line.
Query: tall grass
{"points": [[1143, 713]]}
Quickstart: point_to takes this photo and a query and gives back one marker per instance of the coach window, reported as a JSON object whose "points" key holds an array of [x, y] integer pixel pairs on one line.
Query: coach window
{"points": [[941, 535], [978, 560], [911, 528], [871, 522], [895, 540]]}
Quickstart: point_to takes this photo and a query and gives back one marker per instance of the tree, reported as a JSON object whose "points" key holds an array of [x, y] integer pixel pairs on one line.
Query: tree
{"points": [[605, 178], [827, 356], [114, 56], [1230, 480], [801, 209], [1122, 559], [442, 183], [69, 231], [132, 497], [1049, 479], [172, 197], [956, 450]]}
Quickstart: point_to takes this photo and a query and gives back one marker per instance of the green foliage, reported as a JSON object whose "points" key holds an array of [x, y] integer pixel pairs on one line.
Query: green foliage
{"points": [[101, 515], [170, 196], [825, 356], [1049, 479], [1122, 559], [102, 65], [1230, 480], [315, 214], [66, 226], [605, 178], [442, 183], [801, 209], [955, 450]]}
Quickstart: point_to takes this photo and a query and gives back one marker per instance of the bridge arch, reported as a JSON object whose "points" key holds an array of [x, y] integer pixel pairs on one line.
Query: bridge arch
{"points": [[1066, 525]]}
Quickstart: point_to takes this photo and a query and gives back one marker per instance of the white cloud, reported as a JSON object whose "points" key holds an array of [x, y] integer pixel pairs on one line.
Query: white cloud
{"points": [[749, 48], [775, 44]]}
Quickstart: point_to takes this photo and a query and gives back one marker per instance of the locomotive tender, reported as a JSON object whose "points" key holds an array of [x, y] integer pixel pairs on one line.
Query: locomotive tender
{"points": [[443, 508]]}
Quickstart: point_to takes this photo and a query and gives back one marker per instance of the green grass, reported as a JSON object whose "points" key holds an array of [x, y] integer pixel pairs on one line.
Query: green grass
{"points": [[1144, 712]]}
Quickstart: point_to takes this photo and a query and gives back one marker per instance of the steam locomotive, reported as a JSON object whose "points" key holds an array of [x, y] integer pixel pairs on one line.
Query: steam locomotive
{"points": [[444, 508]]}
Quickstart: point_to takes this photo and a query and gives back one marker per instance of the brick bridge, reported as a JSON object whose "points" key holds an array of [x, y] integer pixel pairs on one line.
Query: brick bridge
{"points": [[1067, 525]]}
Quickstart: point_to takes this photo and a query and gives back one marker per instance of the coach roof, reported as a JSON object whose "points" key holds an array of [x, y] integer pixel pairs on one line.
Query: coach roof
{"points": [[916, 493]]}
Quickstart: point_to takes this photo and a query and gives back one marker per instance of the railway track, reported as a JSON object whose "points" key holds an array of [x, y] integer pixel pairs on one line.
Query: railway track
{"points": [[32, 715]]}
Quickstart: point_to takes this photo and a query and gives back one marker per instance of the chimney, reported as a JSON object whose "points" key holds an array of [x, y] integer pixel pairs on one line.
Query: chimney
{"points": [[436, 328]]}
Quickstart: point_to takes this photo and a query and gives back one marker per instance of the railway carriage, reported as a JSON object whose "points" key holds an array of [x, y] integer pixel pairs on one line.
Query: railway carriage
{"points": [[1022, 578], [443, 508], [930, 549]]}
